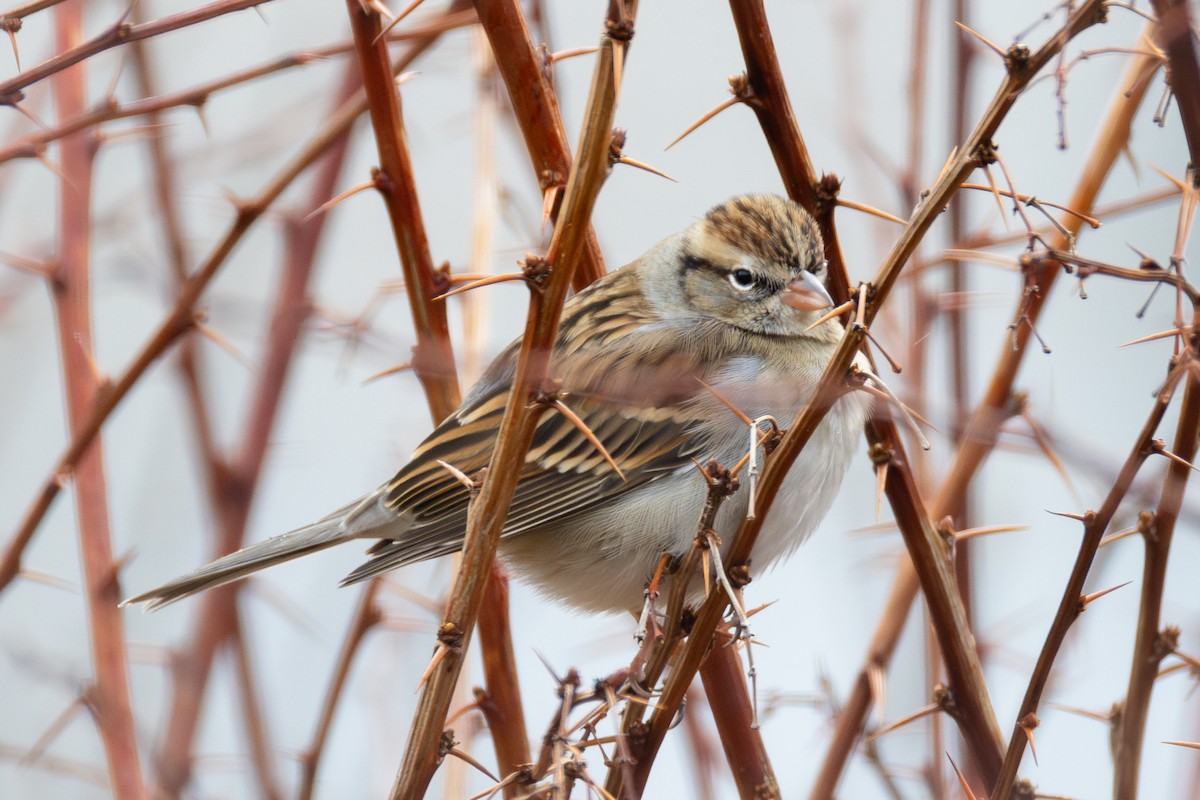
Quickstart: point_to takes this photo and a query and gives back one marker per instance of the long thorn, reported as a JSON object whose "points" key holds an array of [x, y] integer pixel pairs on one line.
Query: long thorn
{"points": [[866, 209], [705, 117], [995, 47], [411, 7], [387, 372], [844, 307], [479, 284], [641, 165]]}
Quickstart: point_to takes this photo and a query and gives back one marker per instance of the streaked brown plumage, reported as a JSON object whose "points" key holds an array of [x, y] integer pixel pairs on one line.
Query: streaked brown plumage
{"points": [[725, 302]]}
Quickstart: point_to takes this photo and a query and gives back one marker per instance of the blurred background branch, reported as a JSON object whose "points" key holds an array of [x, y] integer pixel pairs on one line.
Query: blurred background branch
{"points": [[134, 132]]}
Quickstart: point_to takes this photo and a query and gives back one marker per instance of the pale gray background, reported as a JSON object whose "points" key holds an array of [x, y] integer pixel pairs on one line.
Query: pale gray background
{"points": [[847, 68]]}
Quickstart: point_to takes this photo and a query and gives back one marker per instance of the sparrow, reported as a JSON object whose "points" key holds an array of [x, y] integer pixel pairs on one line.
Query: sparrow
{"points": [[651, 358]]}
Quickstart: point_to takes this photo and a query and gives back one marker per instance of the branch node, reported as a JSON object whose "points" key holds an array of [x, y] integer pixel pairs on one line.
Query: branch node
{"points": [[1147, 526], [945, 529], [1016, 59], [739, 575], [880, 454], [986, 154], [828, 188], [620, 30], [445, 744], [536, 270], [1166, 643], [721, 482], [450, 635], [570, 679], [944, 699], [381, 181], [443, 281], [549, 179]]}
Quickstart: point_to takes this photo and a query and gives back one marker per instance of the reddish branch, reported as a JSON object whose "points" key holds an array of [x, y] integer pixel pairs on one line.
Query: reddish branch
{"points": [[433, 358], [20, 12], [1095, 525], [366, 616], [33, 145], [216, 621], [1023, 66], [769, 98], [852, 716], [215, 466], [729, 699], [366, 613], [983, 428], [179, 321], [1177, 36], [967, 702], [501, 702], [488, 511], [215, 618], [119, 34], [109, 697], [253, 722], [527, 76], [1152, 642]]}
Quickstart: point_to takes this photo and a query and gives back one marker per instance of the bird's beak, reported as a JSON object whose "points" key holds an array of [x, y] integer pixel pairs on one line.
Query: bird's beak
{"points": [[807, 294]]}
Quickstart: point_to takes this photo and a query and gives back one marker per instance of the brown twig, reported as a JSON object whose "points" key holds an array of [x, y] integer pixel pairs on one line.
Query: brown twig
{"points": [[851, 718], [725, 685], [968, 703], [366, 614], [217, 618], [501, 703], [235, 483], [1022, 68], [34, 145], [165, 189], [1176, 35], [254, 724], [432, 354], [1151, 642], [110, 699], [1086, 267], [366, 617], [769, 99], [980, 433], [535, 104], [179, 320], [117, 35], [433, 358], [488, 511]]}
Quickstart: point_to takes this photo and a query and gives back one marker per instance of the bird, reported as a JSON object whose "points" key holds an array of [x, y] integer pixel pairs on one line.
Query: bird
{"points": [[652, 358]]}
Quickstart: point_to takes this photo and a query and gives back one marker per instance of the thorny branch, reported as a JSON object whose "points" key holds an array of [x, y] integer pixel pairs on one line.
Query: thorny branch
{"points": [[110, 697], [980, 433], [119, 34], [982, 732], [528, 77], [180, 320], [488, 510]]}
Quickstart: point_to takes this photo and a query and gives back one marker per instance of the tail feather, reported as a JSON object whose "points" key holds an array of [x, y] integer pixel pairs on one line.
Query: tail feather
{"points": [[347, 523]]}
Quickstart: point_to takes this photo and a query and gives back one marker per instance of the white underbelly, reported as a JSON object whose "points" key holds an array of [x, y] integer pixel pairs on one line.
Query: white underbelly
{"points": [[601, 560]]}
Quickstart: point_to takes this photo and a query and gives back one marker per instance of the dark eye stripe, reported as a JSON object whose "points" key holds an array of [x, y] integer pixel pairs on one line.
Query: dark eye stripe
{"points": [[691, 262]]}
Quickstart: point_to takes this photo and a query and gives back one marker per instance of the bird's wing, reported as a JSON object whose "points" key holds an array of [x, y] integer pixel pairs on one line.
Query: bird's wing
{"points": [[631, 391], [564, 475]]}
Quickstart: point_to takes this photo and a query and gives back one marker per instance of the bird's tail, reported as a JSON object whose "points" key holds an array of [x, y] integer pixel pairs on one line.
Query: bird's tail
{"points": [[341, 526]]}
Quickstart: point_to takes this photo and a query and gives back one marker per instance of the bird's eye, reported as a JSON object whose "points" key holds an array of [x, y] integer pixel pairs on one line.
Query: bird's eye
{"points": [[742, 278]]}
